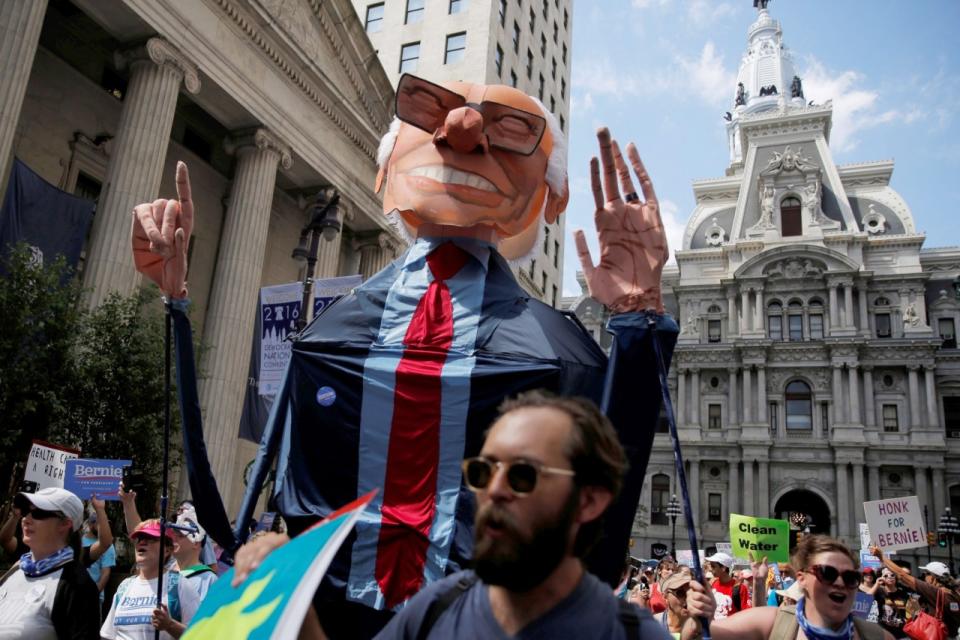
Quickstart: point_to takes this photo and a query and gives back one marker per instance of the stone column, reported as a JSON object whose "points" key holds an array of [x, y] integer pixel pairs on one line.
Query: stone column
{"points": [[848, 304], [862, 301], [854, 394], [868, 402], [763, 489], [744, 310], [695, 397], [20, 23], [920, 484], [732, 412], [681, 397], [236, 285], [732, 326], [695, 492], [939, 494], [843, 500], [838, 413], [139, 151], [873, 482], [747, 399], [733, 468], [758, 311], [834, 316], [914, 384], [377, 250], [762, 412], [933, 415], [749, 488], [858, 497]]}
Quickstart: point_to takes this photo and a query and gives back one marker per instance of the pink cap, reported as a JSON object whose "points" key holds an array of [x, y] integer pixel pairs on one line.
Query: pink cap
{"points": [[150, 529]]}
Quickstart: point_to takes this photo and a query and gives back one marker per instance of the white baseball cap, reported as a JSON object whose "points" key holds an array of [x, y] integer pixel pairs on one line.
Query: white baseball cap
{"points": [[936, 568], [56, 499], [721, 558]]}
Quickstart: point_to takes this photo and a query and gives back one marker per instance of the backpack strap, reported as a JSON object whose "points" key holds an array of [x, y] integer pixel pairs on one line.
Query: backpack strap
{"points": [[867, 630], [785, 624], [443, 602], [173, 596], [629, 615]]}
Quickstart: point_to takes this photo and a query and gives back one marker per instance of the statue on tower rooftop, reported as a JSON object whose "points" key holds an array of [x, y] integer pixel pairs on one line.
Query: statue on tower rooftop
{"points": [[760, 4]]}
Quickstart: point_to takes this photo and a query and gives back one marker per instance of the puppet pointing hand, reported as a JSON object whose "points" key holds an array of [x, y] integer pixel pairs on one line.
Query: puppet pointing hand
{"points": [[413, 364]]}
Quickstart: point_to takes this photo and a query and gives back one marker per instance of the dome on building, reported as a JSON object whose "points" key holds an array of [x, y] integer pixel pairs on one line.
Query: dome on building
{"points": [[766, 73]]}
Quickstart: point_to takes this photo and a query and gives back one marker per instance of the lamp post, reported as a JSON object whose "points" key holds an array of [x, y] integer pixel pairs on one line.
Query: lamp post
{"points": [[950, 526], [324, 222], [673, 512]]}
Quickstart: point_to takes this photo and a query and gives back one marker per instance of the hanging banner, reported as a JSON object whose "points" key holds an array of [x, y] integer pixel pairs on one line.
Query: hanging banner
{"points": [[47, 464], [328, 290], [279, 310], [760, 536], [86, 478], [896, 523]]}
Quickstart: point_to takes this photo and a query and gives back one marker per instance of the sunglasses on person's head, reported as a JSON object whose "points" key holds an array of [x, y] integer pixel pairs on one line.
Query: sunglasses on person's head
{"points": [[521, 475], [425, 105], [828, 575]]}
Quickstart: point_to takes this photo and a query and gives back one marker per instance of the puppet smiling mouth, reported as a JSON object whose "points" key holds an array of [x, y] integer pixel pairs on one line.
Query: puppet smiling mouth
{"points": [[449, 175]]}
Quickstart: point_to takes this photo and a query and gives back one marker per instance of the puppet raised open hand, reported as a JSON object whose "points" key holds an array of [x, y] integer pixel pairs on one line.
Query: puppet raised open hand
{"points": [[161, 235], [633, 244]]}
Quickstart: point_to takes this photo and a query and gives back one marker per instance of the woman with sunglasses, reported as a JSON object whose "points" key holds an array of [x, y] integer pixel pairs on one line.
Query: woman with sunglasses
{"points": [[675, 588], [827, 572], [48, 594]]}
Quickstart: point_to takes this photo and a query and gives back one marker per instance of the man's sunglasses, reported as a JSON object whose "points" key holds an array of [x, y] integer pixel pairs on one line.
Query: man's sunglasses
{"points": [[425, 105], [521, 475], [828, 575]]}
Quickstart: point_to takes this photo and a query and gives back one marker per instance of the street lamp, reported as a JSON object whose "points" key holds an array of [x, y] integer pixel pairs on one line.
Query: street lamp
{"points": [[950, 526], [324, 221], [673, 512]]}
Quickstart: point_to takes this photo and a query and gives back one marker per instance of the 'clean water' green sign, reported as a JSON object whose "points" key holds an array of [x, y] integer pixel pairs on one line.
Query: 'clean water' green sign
{"points": [[760, 536]]}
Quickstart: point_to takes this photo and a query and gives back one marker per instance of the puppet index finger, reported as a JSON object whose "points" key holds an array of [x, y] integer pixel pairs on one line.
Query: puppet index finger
{"points": [[185, 195], [609, 169]]}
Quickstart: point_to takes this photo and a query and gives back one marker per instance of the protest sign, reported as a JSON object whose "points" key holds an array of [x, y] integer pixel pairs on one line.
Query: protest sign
{"points": [[272, 602], [279, 310], [725, 547], [760, 536], [46, 464], [685, 557], [862, 605], [868, 560], [896, 523], [327, 290], [864, 535], [86, 478]]}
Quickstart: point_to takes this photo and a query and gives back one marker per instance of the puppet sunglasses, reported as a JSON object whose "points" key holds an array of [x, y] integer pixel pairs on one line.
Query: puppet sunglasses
{"points": [[521, 475], [827, 575], [425, 105]]}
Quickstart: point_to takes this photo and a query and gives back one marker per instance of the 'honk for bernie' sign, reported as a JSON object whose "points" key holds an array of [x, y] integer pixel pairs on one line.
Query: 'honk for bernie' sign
{"points": [[896, 523], [761, 537]]}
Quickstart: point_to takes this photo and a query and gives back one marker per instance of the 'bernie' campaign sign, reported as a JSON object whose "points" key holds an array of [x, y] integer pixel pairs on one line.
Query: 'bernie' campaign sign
{"points": [[88, 478]]}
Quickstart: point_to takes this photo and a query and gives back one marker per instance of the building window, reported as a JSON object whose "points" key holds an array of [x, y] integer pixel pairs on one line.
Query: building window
{"points": [[556, 253], [539, 86], [414, 11], [715, 507], [554, 296], [713, 331], [546, 240], [556, 33], [799, 406], [774, 416], [882, 321], [951, 415], [374, 21], [543, 281], [713, 416], [563, 56], [533, 20], [563, 124], [775, 321], [816, 319], [791, 221], [825, 416], [516, 37], [456, 46], [529, 65], [409, 56], [457, 6], [795, 324], [553, 70], [563, 89], [553, 105], [659, 498], [543, 45], [890, 422], [566, 19], [948, 333], [546, 7], [498, 61], [503, 13], [513, 79]]}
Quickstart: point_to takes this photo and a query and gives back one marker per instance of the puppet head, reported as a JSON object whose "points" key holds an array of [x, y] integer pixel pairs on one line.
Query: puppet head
{"points": [[473, 159]]}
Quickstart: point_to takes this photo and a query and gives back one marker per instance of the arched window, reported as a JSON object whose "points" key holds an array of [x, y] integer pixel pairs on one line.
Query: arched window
{"points": [[714, 308], [791, 222], [659, 498], [799, 403], [775, 321]]}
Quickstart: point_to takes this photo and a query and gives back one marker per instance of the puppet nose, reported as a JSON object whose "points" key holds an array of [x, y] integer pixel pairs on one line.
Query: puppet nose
{"points": [[463, 130]]}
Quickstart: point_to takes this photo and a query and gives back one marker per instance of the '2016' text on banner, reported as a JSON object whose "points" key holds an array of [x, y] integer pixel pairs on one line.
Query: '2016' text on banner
{"points": [[896, 523], [761, 537]]}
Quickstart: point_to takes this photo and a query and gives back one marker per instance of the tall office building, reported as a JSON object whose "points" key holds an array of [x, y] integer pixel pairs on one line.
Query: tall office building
{"points": [[522, 43]]}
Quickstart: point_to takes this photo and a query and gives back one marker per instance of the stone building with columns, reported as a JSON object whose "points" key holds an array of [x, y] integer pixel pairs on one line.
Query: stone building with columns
{"points": [[268, 101], [817, 364]]}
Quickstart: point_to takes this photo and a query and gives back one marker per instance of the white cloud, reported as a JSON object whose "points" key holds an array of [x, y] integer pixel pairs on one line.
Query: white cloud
{"points": [[706, 12], [646, 4], [581, 105], [674, 227], [708, 76]]}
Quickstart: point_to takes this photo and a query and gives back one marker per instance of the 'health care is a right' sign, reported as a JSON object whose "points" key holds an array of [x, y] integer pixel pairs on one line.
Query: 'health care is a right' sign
{"points": [[896, 523]]}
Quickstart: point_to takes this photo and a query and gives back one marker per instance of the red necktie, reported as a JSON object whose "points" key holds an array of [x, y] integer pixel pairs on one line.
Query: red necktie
{"points": [[410, 482]]}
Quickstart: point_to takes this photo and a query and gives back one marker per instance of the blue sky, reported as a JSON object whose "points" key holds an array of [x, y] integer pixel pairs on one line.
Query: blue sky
{"points": [[662, 72]]}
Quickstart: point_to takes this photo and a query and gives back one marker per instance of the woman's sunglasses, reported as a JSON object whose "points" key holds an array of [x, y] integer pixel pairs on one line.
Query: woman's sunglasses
{"points": [[40, 514], [680, 593], [521, 475], [828, 575]]}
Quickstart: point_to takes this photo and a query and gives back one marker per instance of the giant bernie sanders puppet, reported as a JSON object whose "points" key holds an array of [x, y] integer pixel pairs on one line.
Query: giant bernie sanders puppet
{"points": [[394, 385]]}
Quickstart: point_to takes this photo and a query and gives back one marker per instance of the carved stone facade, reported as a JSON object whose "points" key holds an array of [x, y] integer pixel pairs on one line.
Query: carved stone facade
{"points": [[268, 101]]}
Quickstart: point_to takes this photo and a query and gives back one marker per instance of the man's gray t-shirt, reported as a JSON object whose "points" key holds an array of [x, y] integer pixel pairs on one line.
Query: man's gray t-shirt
{"points": [[591, 611]]}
